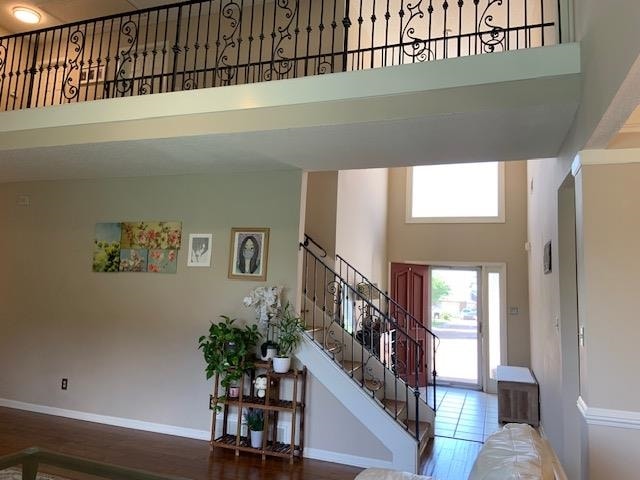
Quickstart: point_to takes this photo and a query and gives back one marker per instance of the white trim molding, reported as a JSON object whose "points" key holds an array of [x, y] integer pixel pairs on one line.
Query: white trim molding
{"points": [[346, 459], [609, 417], [620, 156], [313, 453], [108, 420]]}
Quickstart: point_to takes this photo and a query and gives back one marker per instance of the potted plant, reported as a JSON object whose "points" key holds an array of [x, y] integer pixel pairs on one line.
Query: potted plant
{"points": [[225, 351], [255, 422], [289, 328], [266, 303]]}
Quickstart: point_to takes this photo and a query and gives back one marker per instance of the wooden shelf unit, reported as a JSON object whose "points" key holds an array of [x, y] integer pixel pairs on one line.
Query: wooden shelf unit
{"points": [[272, 406]]}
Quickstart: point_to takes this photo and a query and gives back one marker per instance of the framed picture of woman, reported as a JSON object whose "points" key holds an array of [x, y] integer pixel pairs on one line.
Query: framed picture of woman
{"points": [[249, 253]]}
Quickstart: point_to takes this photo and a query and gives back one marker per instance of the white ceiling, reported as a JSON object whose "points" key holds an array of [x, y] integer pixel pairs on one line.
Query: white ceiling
{"points": [[522, 133], [57, 12]]}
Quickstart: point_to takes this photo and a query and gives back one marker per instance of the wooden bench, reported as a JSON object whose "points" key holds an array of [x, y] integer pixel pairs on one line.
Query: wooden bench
{"points": [[518, 399]]}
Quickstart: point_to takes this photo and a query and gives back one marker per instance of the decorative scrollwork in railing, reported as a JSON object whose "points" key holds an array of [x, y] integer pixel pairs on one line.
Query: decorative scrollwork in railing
{"points": [[71, 78], [281, 64], [125, 73], [189, 83], [495, 37], [413, 46], [324, 67], [3, 59], [333, 304], [233, 13]]}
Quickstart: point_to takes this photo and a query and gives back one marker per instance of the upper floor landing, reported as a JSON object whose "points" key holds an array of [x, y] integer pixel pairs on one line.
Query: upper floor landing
{"points": [[214, 43], [315, 84]]}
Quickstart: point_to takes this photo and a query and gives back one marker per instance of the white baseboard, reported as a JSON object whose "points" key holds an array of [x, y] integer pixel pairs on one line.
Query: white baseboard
{"points": [[346, 459], [312, 453], [108, 420], [608, 417]]}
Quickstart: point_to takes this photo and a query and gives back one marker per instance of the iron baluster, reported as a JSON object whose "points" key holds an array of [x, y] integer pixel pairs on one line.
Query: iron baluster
{"points": [[460, 5], [33, 70], [346, 23]]}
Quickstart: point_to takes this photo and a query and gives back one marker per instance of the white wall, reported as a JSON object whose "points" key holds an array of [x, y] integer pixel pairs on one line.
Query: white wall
{"points": [[361, 221]]}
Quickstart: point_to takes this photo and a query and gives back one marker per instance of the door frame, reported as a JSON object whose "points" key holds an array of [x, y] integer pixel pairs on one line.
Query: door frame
{"points": [[485, 268]]}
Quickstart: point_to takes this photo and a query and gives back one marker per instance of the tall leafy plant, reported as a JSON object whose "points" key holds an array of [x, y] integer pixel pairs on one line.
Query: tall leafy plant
{"points": [[226, 348], [290, 328]]}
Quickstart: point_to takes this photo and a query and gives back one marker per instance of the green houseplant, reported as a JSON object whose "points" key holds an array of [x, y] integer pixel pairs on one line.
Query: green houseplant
{"points": [[255, 422], [225, 350], [290, 328]]}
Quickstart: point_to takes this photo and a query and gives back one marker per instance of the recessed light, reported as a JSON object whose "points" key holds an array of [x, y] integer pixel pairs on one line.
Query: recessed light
{"points": [[26, 15]]}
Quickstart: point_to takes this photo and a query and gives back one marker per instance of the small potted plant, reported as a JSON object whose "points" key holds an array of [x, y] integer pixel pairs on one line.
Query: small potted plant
{"points": [[255, 422], [225, 350], [289, 328]]}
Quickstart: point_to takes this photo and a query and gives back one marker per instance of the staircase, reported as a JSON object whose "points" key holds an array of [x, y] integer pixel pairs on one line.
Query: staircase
{"points": [[357, 344]]}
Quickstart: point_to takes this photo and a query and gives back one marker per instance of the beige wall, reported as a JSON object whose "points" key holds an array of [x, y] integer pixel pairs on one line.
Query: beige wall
{"points": [[320, 218], [553, 322], [361, 227], [606, 199], [500, 242], [608, 276], [127, 342]]}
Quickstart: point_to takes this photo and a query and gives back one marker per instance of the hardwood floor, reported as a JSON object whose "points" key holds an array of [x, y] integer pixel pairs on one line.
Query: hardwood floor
{"points": [[450, 458], [446, 458]]}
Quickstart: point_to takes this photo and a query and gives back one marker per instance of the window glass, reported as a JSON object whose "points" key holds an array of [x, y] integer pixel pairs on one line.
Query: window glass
{"points": [[469, 190]]}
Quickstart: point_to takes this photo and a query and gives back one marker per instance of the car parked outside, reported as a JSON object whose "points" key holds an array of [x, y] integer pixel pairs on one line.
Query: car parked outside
{"points": [[468, 313]]}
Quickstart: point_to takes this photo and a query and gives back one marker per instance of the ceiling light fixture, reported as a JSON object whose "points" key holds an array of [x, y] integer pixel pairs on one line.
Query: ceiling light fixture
{"points": [[26, 15]]}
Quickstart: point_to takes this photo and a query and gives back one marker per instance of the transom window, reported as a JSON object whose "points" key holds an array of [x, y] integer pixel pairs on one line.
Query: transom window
{"points": [[456, 193]]}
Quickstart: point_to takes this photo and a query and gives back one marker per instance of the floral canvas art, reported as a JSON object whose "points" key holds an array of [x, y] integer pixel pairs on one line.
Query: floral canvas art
{"points": [[162, 261], [151, 235], [133, 260], [106, 247], [137, 247]]}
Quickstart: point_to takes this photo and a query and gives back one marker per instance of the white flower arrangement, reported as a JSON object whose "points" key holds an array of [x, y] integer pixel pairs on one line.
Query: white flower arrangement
{"points": [[267, 303]]}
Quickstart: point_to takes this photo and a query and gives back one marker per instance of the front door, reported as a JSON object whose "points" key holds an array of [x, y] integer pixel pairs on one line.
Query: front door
{"points": [[410, 289], [456, 315]]}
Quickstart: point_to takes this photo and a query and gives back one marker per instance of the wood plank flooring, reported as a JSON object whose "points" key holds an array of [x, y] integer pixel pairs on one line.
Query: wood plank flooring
{"points": [[446, 459]]}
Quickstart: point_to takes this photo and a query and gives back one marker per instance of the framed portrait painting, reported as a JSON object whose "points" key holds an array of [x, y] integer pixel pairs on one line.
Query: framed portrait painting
{"points": [[249, 253]]}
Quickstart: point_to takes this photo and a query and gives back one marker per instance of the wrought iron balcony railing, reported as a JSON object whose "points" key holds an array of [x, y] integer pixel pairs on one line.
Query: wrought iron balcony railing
{"points": [[202, 44]]}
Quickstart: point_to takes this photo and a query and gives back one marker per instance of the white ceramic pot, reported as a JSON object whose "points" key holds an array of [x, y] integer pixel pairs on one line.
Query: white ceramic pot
{"points": [[281, 364], [256, 438]]}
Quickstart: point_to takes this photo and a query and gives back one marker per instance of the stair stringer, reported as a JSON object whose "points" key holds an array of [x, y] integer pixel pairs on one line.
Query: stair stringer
{"points": [[403, 446]]}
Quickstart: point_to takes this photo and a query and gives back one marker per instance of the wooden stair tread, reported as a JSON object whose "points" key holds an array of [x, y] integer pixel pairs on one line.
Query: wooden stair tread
{"points": [[312, 329], [394, 406], [424, 428], [351, 366], [332, 347]]}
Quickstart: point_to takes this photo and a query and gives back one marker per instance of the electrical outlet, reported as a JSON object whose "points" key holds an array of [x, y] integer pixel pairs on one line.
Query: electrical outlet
{"points": [[64, 384]]}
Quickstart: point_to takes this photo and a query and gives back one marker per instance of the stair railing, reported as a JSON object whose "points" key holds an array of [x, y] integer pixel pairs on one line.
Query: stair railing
{"points": [[328, 295], [414, 328]]}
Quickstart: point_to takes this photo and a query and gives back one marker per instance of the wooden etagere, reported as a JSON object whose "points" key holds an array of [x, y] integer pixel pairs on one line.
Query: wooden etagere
{"points": [[272, 406]]}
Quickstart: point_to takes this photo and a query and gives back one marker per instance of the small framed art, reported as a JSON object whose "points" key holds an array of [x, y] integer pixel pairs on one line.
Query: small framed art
{"points": [[200, 246]]}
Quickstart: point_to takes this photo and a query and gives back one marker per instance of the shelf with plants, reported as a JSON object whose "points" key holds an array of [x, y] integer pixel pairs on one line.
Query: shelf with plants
{"points": [[264, 393], [271, 407]]}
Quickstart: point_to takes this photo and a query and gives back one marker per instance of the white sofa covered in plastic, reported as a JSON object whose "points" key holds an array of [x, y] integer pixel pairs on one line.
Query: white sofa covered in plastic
{"points": [[517, 451]]}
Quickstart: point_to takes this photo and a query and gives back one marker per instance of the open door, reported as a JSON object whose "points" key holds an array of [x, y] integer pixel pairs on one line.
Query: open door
{"points": [[410, 289]]}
